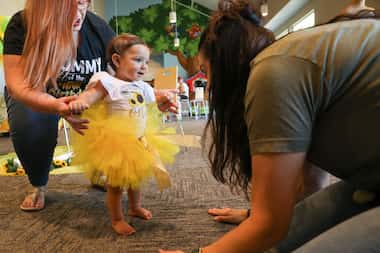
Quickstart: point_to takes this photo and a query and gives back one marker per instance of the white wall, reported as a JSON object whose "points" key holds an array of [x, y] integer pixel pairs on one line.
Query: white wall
{"points": [[99, 8], [324, 11], [8, 8]]}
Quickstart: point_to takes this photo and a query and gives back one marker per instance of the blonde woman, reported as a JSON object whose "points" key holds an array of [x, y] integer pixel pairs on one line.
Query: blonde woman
{"points": [[51, 50]]}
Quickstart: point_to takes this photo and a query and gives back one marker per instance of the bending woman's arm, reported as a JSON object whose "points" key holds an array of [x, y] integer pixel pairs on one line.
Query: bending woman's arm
{"points": [[35, 98], [275, 179]]}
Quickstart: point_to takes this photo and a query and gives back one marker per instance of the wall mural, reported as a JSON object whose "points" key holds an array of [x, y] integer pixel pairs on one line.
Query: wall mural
{"points": [[3, 122], [152, 25]]}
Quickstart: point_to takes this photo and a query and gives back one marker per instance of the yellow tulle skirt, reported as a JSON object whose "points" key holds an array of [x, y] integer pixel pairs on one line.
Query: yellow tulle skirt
{"points": [[110, 146]]}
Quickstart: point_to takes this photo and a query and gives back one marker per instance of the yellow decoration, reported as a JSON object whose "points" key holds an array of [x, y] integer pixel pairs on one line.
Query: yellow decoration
{"points": [[4, 127], [61, 166], [20, 172]]}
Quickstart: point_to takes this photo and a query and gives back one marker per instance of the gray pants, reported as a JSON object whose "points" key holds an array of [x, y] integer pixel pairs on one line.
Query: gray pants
{"points": [[330, 222]]}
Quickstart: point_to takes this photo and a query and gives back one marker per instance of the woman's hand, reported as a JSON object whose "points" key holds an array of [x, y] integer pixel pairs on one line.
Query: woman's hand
{"points": [[61, 105], [229, 215], [165, 100], [63, 108], [77, 123]]}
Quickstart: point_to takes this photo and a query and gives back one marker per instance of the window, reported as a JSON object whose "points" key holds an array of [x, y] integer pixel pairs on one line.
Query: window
{"points": [[306, 21], [282, 34]]}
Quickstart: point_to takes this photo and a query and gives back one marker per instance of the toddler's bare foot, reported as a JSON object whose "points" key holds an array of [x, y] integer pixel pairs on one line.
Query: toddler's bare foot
{"points": [[122, 228], [141, 213]]}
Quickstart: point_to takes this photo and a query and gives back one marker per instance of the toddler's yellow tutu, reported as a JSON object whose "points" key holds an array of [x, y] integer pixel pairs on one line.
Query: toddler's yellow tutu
{"points": [[110, 146]]}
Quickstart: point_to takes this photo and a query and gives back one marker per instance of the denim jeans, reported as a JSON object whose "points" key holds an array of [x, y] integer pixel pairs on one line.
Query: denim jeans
{"points": [[34, 137], [330, 222]]}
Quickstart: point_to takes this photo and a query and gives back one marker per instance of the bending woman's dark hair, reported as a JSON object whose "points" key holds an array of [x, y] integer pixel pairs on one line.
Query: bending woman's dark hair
{"points": [[232, 39]]}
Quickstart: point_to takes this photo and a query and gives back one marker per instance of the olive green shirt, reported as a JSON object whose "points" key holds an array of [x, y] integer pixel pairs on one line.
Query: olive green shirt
{"points": [[318, 91]]}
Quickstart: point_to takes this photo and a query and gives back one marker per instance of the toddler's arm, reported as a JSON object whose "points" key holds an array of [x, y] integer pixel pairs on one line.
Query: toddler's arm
{"points": [[88, 98]]}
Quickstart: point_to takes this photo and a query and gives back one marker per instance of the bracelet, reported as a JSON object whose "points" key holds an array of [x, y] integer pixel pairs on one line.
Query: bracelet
{"points": [[248, 212], [198, 250]]}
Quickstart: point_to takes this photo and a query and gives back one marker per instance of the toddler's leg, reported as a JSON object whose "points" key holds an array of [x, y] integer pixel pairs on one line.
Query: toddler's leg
{"points": [[134, 205], [114, 195]]}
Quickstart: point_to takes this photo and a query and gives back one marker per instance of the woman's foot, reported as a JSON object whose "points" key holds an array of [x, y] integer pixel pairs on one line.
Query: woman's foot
{"points": [[229, 215], [34, 201], [122, 228], [140, 213]]}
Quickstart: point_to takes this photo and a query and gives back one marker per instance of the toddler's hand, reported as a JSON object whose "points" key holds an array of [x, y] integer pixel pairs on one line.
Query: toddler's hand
{"points": [[78, 106], [165, 100]]}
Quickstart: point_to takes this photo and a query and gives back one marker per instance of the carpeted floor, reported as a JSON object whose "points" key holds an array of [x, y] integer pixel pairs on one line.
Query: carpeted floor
{"points": [[75, 218]]}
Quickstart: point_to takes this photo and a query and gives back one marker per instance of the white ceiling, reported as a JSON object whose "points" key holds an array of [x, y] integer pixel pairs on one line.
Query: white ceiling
{"points": [[279, 10], [211, 4]]}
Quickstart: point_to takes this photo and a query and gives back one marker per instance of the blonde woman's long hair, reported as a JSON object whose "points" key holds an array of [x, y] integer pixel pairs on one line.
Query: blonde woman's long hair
{"points": [[49, 42]]}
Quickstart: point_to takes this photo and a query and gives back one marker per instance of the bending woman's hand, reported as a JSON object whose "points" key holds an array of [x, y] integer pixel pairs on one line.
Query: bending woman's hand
{"points": [[229, 215]]}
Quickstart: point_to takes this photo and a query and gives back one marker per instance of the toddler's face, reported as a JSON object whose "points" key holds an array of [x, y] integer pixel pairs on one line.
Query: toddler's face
{"points": [[132, 65]]}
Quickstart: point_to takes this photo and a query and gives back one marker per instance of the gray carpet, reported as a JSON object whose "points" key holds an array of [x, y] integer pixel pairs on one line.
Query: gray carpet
{"points": [[76, 220]]}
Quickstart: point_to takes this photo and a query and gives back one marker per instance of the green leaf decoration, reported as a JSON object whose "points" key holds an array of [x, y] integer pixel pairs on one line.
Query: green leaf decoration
{"points": [[125, 25], [3, 24], [11, 166], [161, 44], [189, 14], [148, 35], [152, 25], [150, 14]]}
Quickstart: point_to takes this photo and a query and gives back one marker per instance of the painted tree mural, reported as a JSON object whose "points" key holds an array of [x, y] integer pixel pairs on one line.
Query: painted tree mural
{"points": [[152, 25]]}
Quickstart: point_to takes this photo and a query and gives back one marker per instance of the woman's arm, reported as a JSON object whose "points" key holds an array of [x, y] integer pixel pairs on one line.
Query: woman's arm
{"points": [[35, 98], [275, 180], [275, 185]]}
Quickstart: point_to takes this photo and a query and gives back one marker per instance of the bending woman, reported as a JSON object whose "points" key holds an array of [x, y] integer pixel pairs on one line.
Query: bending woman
{"points": [[311, 97]]}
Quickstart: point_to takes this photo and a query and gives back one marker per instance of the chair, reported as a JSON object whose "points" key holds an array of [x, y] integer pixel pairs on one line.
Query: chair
{"points": [[199, 106], [184, 108]]}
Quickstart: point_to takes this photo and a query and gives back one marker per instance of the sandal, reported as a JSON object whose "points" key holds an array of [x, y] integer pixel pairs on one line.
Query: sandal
{"points": [[30, 202]]}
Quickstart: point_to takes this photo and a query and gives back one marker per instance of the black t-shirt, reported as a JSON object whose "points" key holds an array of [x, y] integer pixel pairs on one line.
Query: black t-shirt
{"points": [[95, 35]]}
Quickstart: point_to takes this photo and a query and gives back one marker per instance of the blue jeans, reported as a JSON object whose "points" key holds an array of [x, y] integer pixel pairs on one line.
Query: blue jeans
{"points": [[330, 222], [34, 137]]}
